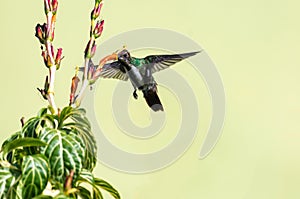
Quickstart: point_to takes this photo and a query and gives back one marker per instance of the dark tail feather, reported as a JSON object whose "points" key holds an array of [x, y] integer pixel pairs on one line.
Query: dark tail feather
{"points": [[153, 100]]}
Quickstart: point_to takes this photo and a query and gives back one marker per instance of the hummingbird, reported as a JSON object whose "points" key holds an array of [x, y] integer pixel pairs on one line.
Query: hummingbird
{"points": [[139, 71]]}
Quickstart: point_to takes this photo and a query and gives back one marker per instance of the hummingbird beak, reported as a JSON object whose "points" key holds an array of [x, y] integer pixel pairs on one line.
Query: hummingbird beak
{"points": [[113, 56]]}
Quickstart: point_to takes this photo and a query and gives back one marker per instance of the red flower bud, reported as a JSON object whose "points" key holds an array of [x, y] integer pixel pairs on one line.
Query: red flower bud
{"points": [[39, 33], [98, 29], [96, 11], [99, 9], [54, 6], [58, 57]]}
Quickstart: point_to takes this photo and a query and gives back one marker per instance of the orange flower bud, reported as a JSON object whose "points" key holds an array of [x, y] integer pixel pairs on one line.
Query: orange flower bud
{"points": [[74, 85]]}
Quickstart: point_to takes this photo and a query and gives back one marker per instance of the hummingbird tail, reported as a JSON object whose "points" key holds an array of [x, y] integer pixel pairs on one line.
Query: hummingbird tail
{"points": [[153, 100]]}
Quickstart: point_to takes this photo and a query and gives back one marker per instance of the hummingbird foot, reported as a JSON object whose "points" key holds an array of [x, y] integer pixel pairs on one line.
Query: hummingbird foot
{"points": [[135, 94]]}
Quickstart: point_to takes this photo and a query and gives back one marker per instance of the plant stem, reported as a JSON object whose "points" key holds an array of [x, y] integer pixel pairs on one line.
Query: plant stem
{"points": [[50, 92], [52, 68]]}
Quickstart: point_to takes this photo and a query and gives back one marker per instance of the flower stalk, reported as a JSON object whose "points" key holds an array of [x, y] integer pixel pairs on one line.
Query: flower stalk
{"points": [[45, 34], [96, 28]]}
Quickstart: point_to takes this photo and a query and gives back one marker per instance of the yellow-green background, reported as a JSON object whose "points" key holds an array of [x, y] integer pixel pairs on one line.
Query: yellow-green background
{"points": [[255, 46]]}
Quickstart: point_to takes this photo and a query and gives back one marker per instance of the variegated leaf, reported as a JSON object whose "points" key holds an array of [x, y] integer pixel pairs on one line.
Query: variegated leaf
{"points": [[10, 157], [62, 196], [65, 151], [12, 138], [22, 142], [43, 197], [87, 177], [84, 193], [33, 127], [35, 173], [96, 183], [80, 126], [106, 186], [15, 192], [7, 180]]}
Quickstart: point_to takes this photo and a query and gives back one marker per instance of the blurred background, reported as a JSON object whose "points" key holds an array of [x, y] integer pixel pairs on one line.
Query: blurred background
{"points": [[254, 45]]}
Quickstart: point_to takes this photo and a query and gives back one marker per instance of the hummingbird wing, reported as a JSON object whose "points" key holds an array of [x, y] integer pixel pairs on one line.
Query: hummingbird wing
{"points": [[160, 62], [113, 70]]}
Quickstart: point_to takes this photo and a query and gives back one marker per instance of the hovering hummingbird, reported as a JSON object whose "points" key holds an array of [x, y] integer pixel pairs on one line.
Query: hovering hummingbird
{"points": [[140, 70]]}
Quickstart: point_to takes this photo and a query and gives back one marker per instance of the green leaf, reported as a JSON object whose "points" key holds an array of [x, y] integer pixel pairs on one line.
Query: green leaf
{"points": [[12, 138], [81, 126], [42, 112], [87, 177], [7, 180], [35, 173], [62, 196], [106, 186], [43, 197], [22, 142], [89, 141], [84, 193], [33, 127], [65, 151], [97, 193], [10, 156], [79, 115], [15, 192]]}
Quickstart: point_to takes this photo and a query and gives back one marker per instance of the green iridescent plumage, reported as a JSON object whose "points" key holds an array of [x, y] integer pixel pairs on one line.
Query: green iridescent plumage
{"points": [[138, 62]]}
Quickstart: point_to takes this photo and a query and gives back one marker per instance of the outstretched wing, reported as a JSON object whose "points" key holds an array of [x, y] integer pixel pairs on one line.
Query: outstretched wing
{"points": [[160, 62], [113, 70]]}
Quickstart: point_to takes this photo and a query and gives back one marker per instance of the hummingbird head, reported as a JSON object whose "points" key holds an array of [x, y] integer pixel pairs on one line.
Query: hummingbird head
{"points": [[124, 57]]}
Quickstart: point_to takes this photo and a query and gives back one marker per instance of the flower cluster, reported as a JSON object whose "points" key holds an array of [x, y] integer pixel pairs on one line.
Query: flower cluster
{"points": [[45, 34], [95, 30], [47, 57]]}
